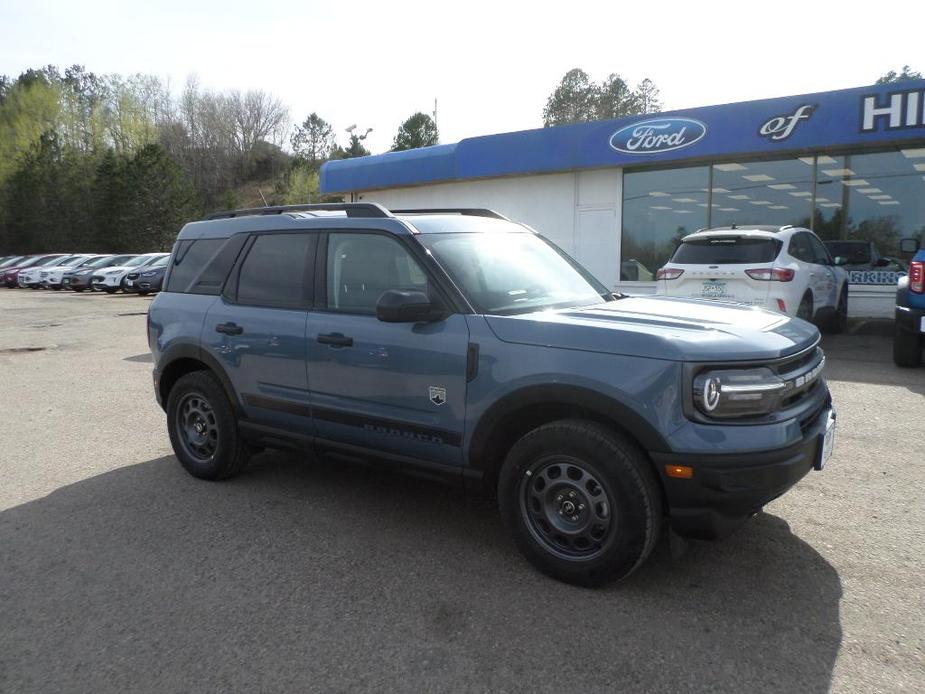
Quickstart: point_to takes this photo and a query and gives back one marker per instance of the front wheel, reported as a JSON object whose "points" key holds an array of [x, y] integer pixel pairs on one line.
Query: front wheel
{"points": [[907, 348], [203, 428], [581, 502]]}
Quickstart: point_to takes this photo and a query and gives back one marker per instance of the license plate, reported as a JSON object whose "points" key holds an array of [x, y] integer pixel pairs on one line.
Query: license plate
{"points": [[826, 443], [128, 283], [65, 281], [713, 289]]}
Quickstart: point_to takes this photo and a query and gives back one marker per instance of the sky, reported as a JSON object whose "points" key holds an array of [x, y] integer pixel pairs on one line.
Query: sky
{"points": [[489, 65]]}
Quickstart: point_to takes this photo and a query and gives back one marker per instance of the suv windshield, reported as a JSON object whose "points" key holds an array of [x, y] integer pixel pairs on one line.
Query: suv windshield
{"points": [[135, 262], [99, 262], [726, 250], [507, 273]]}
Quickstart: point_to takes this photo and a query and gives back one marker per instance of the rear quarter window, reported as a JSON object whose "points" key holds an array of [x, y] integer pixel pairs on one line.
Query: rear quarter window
{"points": [[201, 266], [731, 250]]}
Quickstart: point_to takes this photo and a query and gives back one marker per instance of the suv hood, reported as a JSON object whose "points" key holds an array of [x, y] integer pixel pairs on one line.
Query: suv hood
{"points": [[662, 328]]}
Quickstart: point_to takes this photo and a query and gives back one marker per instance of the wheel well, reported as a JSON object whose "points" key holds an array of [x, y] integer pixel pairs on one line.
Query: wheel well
{"points": [[174, 371], [514, 425]]}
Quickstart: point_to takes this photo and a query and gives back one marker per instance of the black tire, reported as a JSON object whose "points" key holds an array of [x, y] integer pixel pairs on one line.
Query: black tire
{"points": [[805, 309], [837, 322], [216, 451], [907, 348], [613, 492]]}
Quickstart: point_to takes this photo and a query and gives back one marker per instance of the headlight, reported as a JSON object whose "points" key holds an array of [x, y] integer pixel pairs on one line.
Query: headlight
{"points": [[83, 272], [738, 392], [148, 274]]}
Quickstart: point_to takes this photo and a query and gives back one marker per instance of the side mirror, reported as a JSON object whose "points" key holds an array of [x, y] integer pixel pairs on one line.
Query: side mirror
{"points": [[908, 245], [881, 262], [400, 306], [840, 260]]}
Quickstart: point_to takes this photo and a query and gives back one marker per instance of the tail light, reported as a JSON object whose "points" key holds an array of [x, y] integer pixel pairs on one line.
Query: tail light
{"points": [[771, 274], [668, 273], [917, 277]]}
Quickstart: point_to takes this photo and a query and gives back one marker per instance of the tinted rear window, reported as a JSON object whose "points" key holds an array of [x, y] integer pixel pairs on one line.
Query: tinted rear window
{"points": [[201, 266], [726, 250]]}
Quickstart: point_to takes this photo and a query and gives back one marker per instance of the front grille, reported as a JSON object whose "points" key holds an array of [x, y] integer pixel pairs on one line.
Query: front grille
{"points": [[132, 276], [803, 374]]}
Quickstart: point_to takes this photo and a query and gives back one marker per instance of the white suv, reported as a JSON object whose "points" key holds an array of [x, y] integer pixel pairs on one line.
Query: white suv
{"points": [[785, 269], [110, 279]]}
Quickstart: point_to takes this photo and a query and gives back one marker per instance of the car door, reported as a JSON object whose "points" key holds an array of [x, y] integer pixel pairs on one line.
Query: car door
{"points": [[256, 329], [809, 274], [394, 388], [828, 277]]}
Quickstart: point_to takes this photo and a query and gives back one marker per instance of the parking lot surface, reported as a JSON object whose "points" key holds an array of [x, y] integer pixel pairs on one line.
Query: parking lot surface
{"points": [[120, 572]]}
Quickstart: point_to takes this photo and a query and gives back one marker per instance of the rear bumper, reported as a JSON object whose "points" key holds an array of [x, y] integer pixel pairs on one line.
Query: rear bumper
{"points": [[728, 488], [909, 319]]}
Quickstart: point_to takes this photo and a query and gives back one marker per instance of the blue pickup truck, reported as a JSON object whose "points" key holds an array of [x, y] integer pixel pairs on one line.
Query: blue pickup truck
{"points": [[464, 346], [909, 335]]}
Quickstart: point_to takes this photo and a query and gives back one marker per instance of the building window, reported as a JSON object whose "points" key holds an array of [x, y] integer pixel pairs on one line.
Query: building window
{"points": [[763, 192], [660, 207], [871, 197]]}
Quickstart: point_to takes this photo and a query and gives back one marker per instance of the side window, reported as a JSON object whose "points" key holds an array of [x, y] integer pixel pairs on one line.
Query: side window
{"points": [[820, 253], [194, 261], [277, 271], [360, 267], [800, 248]]}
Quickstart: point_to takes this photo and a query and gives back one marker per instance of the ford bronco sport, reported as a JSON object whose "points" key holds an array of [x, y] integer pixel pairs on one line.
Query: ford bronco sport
{"points": [[464, 345]]}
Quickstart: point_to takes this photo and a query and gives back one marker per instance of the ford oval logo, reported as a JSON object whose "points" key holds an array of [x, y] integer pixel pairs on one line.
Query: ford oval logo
{"points": [[658, 135]]}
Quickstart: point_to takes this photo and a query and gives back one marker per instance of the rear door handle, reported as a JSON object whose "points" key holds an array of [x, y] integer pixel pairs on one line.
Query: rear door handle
{"points": [[336, 340], [229, 328]]}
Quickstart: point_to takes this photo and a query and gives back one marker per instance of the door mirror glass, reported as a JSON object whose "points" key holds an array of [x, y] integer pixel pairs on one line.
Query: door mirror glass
{"points": [[840, 260], [908, 245], [405, 306]]}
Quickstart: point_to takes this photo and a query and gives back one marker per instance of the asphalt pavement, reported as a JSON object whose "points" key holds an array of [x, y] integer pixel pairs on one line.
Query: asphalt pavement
{"points": [[120, 572]]}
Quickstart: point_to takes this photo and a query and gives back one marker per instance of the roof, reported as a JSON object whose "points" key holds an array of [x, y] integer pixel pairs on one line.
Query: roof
{"points": [[754, 231], [850, 118]]}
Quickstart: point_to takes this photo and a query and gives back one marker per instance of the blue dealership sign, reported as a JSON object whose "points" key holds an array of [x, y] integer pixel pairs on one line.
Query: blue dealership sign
{"points": [[887, 114]]}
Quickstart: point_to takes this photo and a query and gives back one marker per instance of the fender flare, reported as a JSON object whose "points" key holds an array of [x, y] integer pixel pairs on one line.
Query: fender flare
{"points": [[606, 407], [189, 350]]}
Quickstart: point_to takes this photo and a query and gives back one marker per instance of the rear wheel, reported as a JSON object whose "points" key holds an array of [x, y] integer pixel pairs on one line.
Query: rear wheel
{"points": [[581, 502], [907, 348], [203, 429]]}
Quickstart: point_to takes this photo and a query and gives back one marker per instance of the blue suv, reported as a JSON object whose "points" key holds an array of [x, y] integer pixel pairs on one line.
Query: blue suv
{"points": [[909, 334], [464, 346]]}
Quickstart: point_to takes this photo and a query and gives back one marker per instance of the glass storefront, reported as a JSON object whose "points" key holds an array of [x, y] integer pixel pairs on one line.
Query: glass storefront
{"points": [[862, 197]]}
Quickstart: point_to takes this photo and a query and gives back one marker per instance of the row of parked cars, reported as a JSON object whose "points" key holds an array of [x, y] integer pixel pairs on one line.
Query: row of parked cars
{"points": [[141, 273]]}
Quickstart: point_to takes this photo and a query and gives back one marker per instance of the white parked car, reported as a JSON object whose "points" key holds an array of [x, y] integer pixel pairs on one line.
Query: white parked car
{"points": [[51, 277], [110, 279], [32, 277], [785, 269]]}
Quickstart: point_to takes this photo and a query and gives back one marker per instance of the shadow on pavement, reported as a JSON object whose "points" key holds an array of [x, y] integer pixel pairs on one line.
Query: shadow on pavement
{"points": [[328, 577]]}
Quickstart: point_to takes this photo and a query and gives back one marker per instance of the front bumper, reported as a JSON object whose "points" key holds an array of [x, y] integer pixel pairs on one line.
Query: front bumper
{"points": [[728, 488]]}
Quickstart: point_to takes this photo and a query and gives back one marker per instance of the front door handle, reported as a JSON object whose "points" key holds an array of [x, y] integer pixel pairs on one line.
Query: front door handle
{"points": [[336, 340], [229, 328]]}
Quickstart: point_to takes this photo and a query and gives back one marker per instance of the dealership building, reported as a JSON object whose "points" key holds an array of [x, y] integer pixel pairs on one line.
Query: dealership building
{"points": [[618, 194]]}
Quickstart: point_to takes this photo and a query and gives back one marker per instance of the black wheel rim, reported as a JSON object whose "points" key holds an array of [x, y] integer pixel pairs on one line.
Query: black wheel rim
{"points": [[197, 426], [566, 507]]}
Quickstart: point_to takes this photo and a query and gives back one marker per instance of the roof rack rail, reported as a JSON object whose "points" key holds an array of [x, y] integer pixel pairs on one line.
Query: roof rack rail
{"points": [[352, 209], [465, 211]]}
